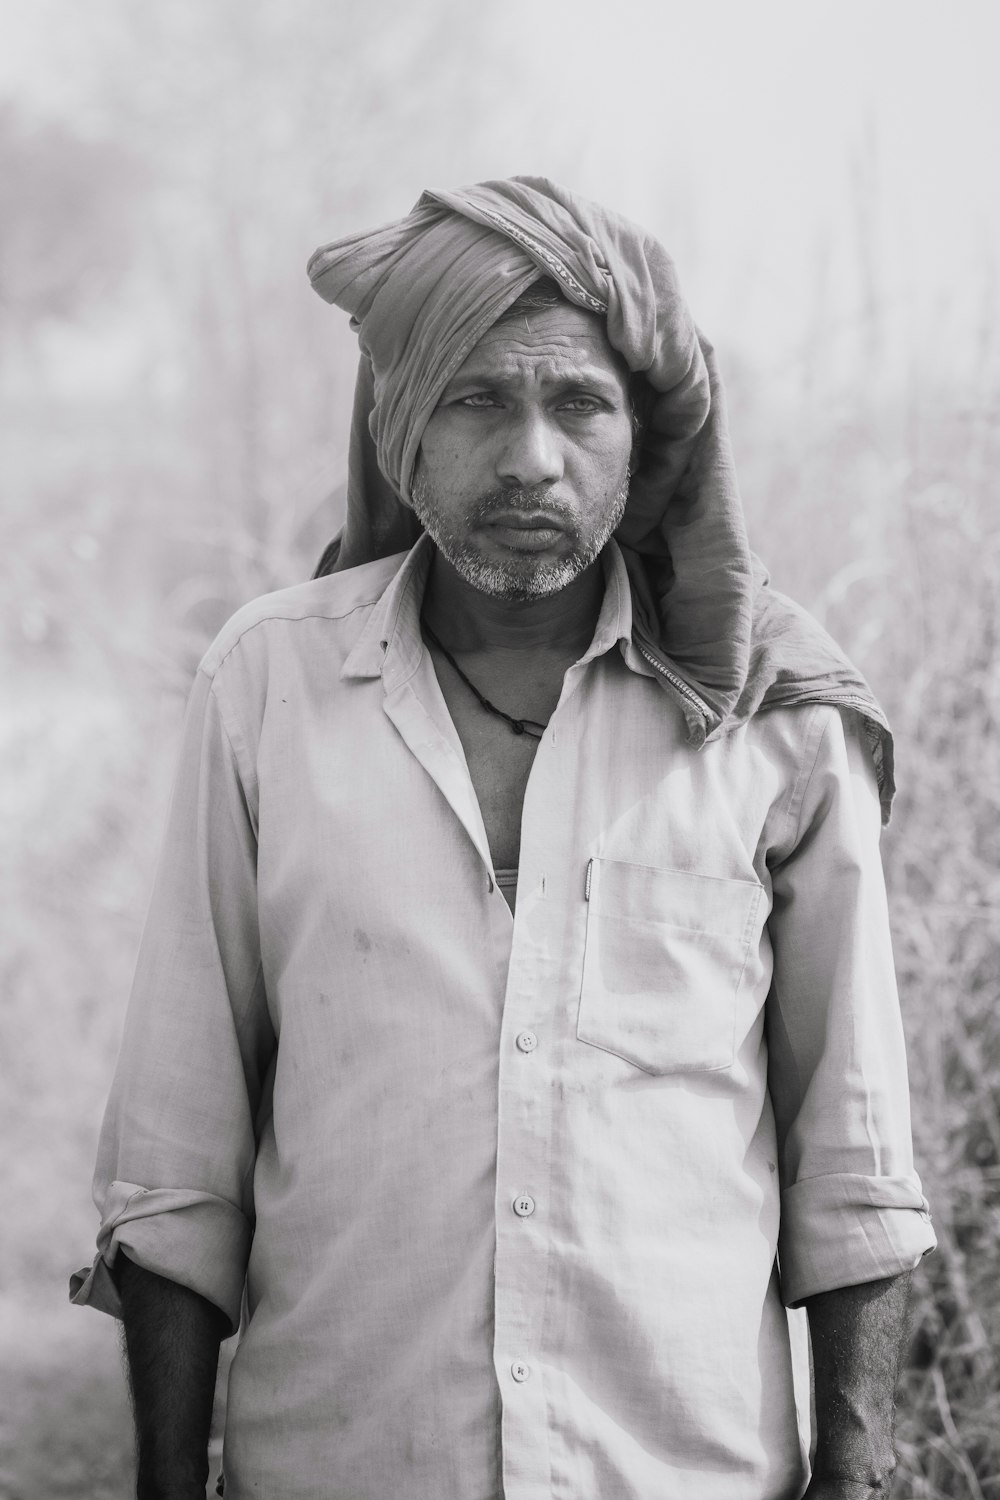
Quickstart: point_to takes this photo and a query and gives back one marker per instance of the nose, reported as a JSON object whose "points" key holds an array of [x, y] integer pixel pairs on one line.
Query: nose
{"points": [[530, 451]]}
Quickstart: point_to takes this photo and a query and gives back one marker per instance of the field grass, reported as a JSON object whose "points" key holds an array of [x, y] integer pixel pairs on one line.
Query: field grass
{"points": [[883, 518]]}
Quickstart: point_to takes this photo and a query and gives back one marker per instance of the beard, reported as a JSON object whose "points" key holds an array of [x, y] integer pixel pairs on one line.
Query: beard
{"points": [[519, 578]]}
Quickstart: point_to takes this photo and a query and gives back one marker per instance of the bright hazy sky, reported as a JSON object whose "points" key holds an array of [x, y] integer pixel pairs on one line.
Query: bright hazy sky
{"points": [[788, 152]]}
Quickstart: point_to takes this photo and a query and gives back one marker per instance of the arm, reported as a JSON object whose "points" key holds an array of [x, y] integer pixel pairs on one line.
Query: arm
{"points": [[174, 1177], [853, 1218], [172, 1338], [852, 1211], [857, 1335]]}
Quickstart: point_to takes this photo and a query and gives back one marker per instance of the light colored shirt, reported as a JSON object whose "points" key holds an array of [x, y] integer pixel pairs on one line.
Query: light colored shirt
{"points": [[513, 1188]]}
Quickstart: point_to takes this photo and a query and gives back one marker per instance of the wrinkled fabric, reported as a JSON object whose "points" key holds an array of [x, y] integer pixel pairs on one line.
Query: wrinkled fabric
{"points": [[423, 290], [506, 1190]]}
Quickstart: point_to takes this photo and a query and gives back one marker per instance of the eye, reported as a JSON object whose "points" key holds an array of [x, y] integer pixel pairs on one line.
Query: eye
{"points": [[582, 405], [477, 401]]}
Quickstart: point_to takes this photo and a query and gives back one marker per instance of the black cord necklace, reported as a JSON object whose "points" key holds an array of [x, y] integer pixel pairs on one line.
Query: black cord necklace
{"points": [[530, 727]]}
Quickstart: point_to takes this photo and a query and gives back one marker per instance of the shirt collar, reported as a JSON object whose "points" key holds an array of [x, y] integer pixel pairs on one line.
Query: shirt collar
{"points": [[390, 645]]}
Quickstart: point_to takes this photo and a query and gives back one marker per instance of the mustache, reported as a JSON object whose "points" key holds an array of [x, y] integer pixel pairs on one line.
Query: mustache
{"points": [[524, 501]]}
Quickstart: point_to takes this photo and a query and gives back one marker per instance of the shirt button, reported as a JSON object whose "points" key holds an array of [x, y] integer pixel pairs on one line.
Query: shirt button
{"points": [[520, 1371], [527, 1041], [524, 1206]]}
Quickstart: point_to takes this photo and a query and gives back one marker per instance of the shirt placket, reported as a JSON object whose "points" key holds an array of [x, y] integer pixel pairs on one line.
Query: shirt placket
{"points": [[520, 1266], [526, 1096]]}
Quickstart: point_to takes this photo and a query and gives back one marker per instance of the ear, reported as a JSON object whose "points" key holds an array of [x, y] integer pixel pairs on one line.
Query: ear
{"points": [[641, 396]]}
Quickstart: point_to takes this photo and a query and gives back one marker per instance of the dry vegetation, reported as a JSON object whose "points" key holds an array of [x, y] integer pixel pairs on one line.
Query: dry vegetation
{"points": [[137, 518], [883, 518]]}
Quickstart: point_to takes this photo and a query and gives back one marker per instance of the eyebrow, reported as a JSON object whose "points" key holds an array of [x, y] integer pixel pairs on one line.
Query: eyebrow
{"points": [[580, 376]]}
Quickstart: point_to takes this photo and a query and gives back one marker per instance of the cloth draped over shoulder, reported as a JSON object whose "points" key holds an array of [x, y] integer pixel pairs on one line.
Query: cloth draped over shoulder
{"points": [[421, 292]]}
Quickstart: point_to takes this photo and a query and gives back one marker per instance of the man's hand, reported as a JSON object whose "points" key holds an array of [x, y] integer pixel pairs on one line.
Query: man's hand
{"points": [[857, 1335], [172, 1338]]}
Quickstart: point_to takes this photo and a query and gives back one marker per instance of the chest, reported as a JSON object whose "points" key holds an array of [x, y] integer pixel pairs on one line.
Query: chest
{"points": [[369, 800], [500, 760], [499, 765]]}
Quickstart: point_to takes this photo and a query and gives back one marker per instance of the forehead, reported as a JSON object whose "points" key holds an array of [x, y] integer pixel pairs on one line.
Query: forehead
{"points": [[563, 339]]}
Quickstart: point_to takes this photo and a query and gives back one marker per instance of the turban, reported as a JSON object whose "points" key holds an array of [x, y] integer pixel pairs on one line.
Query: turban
{"points": [[421, 292]]}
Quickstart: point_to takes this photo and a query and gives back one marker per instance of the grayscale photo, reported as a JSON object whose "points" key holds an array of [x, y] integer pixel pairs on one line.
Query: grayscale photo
{"points": [[501, 599]]}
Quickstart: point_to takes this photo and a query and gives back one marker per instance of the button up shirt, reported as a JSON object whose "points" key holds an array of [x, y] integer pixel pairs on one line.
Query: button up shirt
{"points": [[514, 1204]]}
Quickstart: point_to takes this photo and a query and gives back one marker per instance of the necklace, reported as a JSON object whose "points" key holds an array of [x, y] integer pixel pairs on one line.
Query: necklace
{"points": [[529, 727]]}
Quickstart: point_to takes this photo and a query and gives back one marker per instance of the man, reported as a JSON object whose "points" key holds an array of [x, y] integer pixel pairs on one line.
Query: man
{"points": [[514, 1037]]}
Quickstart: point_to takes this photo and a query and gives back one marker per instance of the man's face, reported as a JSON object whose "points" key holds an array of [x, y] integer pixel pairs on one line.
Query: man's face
{"points": [[523, 468]]}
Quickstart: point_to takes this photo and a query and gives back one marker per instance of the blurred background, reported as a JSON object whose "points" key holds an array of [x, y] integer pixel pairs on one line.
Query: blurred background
{"points": [[174, 405]]}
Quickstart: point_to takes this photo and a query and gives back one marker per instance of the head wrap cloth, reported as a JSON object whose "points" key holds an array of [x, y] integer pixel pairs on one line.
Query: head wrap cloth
{"points": [[422, 291]]}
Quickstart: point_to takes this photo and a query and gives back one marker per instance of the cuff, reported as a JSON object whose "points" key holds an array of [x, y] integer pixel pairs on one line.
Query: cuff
{"points": [[844, 1229], [194, 1238]]}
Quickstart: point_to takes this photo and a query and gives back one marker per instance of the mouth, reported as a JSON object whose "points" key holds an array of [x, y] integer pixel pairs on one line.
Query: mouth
{"points": [[525, 531]]}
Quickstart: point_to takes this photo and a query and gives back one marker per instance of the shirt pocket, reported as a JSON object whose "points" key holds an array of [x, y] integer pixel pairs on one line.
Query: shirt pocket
{"points": [[664, 957]]}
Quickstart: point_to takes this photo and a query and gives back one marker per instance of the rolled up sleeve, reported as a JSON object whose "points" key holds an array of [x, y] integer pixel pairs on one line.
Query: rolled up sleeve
{"points": [[852, 1209], [174, 1177]]}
